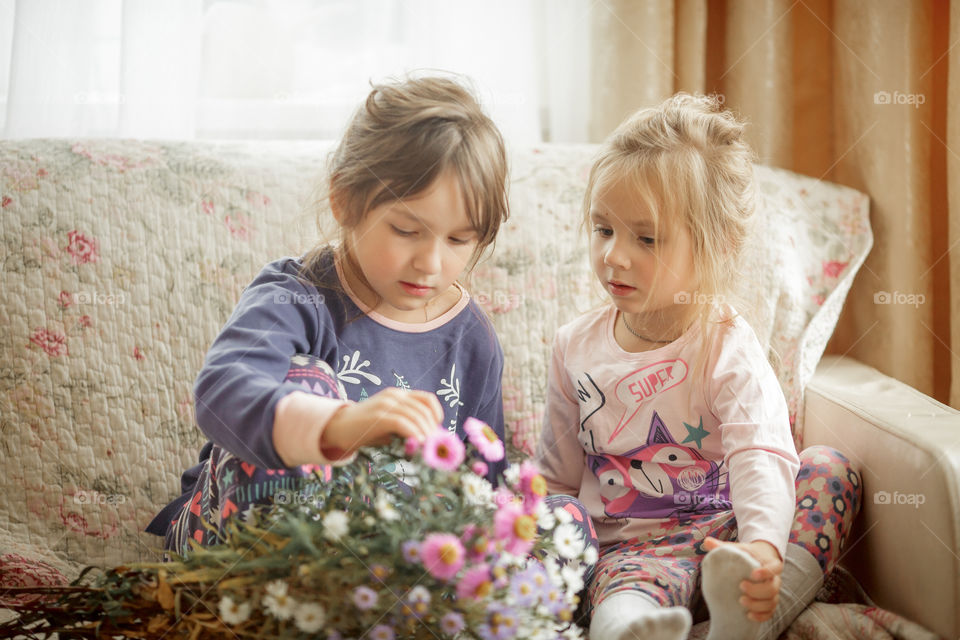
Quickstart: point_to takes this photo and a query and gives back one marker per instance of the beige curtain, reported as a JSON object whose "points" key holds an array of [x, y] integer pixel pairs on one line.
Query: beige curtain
{"points": [[813, 77]]}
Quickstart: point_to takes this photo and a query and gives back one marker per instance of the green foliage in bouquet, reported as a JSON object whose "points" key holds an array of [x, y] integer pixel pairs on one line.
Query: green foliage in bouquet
{"points": [[404, 542]]}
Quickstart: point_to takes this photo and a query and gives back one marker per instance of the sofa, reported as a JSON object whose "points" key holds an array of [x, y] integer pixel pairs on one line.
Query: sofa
{"points": [[123, 258]]}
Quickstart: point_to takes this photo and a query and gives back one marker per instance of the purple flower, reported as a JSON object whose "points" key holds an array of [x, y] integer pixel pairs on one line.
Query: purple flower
{"points": [[364, 598], [501, 623], [381, 632], [411, 551], [452, 623]]}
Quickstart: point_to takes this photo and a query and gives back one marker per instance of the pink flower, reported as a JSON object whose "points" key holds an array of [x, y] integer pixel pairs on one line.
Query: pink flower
{"points": [[65, 299], [480, 468], [6, 201], [239, 225], [484, 439], [85, 321], [257, 198], [443, 450], [411, 446], [138, 354], [476, 583], [442, 555], [476, 543], [532, 485], [55, 344], [833, 268], [515, 529], [81, 248], [206, 206]]}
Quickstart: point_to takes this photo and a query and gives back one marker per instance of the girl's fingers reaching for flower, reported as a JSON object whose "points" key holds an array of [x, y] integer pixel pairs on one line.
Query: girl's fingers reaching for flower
{"points": [[411, 420], [432, 403]]}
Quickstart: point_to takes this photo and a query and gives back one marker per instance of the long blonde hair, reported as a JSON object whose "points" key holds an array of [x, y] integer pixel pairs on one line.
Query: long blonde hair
{"points": [[404, 135], [689, 165]]}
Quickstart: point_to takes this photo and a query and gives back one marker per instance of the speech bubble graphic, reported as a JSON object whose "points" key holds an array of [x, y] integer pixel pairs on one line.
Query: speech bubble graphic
{"points": [[637, 388]]}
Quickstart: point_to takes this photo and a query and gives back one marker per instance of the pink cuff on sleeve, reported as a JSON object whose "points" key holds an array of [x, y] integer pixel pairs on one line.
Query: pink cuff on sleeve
{"points": [[298, 424]]}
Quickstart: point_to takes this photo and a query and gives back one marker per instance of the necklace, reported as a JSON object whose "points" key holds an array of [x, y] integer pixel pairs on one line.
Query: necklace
{"points": [[644, 338]]}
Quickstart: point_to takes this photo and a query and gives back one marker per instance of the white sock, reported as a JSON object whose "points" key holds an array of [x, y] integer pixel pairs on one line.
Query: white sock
{"points": [[799, 583], [630, 615], [722, 571]]}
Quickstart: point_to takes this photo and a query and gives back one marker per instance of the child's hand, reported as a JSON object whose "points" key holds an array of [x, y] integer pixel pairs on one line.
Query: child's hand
{"points": [[761, 593], [387, 413]]}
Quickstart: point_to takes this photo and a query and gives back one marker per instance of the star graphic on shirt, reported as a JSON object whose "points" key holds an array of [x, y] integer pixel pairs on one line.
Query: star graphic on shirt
{"points": [[696, 433], [227, 477]]}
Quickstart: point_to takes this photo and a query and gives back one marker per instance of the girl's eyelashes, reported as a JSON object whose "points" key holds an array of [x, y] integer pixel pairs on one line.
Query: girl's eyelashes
{"points": [[403, 233], [602, 231], [607, 232]]}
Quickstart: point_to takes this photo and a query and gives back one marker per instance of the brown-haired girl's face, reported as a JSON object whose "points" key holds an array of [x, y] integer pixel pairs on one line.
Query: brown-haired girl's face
{"points": [[641, 269], [410, 251]]}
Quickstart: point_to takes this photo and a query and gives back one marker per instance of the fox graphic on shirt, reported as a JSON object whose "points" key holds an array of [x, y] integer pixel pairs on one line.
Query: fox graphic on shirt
{"points": [[660, 479]]}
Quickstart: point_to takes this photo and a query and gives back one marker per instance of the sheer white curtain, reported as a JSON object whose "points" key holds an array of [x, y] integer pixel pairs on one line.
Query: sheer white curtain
{"points": [[186, 69]]}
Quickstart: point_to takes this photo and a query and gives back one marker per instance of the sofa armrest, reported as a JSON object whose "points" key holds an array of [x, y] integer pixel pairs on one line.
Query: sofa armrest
{"points": [[905, 545]]}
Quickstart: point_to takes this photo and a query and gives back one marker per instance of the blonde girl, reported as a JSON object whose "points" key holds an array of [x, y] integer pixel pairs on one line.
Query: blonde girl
{"points": [[664, 418]]}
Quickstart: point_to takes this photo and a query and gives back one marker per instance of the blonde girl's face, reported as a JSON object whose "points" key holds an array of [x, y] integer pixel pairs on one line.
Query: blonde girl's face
{"points": [[411, 251], [631, 260]]}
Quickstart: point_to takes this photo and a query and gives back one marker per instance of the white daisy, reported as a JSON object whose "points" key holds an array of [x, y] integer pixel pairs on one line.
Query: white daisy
{"points": [[573, 577], [568, 541], [563, 515], [552, 566], [512, 475], [475, 489], [278, 602], [589, 555], [310, 617], [233, 612], [385, 508], [277, 588], [419, 594], [545, 517], [336, 524]]}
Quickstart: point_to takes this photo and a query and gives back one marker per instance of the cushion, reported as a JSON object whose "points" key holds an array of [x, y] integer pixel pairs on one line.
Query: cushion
{"points": [[122, 260]]}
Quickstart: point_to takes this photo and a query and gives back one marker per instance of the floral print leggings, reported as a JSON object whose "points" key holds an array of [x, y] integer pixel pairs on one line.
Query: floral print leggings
{"points": [[666, 566], [228, 485]]}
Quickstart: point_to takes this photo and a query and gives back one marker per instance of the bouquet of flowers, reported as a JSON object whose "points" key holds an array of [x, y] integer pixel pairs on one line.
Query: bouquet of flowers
{"points": [[434, 551]]}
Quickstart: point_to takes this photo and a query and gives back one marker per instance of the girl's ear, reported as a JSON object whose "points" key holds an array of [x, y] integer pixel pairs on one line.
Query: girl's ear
{"points": [[336, 206]]}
